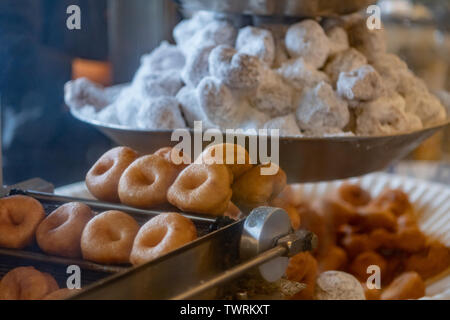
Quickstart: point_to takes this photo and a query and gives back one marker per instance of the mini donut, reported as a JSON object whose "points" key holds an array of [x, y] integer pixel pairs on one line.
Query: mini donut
{"points": [[102, 179], [60, 232], [254, 189], [355, 243], [162, 234], [202, 188], [108, 238], [234, 156], [359, 265], [354, 194], [145, 182], [408, 285], [334, 259], [372, 217], [174, 156], [432, 260], [61, 294], [19, 218], [303, 268], [396, 201], [26, 283]]}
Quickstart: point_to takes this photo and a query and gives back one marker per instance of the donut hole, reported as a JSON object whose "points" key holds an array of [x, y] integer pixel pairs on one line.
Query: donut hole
{"points": [[113, 235], [103, 167], [194, 181], [144, 179], [16, 219], [155, 237]]}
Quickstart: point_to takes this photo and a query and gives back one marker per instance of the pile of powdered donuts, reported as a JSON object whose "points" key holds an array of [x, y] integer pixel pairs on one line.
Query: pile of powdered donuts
{"points": [[313, 78], [222, 179]]}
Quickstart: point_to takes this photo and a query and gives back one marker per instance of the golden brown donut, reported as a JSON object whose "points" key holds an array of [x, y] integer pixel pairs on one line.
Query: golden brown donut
{"points": [[355, 243], [202, 188], [26, 283], [61, 294], [108, 238], [145, 182], [234, 156], [408, 285], [353, 194], [334, 259], [394, 200], [60, 232], [174, 156], [374, 217], [233, 212], [359, 265], [291, 210], [102, 179], [162, 234], [19, 218], [253, 189], [430, 261], [303, 268]]}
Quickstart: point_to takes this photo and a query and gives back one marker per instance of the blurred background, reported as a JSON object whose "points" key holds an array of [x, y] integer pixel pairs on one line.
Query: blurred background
{"points": [[38, 54]]}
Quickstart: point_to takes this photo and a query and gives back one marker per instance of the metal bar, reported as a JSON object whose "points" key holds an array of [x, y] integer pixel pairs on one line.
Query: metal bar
{"points": [[109, 206], [233, 272], [61, 261]]}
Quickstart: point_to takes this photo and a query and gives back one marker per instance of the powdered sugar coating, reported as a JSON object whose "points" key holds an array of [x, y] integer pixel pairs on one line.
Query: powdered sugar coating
{"points": [[371, 43], [301, 75], [363, 83], [273, 96], [286, 124], [321, 111], [256, 42], [338, 285], [390, 66], [344, 61], [160, 113], [338, 38], [165, 57], [237, 70], [197, 66], [308, 40], [164, 83], [83, 92]]}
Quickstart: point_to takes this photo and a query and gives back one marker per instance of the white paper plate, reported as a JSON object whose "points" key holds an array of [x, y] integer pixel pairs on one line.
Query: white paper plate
{"points": [[432, 207]]}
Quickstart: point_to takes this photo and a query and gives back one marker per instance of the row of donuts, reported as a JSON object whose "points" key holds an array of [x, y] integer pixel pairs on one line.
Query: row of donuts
{"points": [[121, 175], [73, 231], [356, 231], [27, 283]]}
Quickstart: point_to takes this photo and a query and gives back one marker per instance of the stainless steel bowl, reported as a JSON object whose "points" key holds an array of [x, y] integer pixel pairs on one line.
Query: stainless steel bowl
{"points": [[303, 159], [295, 8]]}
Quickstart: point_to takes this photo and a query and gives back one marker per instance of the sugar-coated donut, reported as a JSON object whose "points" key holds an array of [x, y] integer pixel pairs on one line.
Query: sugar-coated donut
{"points": [[253, 189], [60, 232], [19, 218], [162, 234], [202, 188], [26, 283], [145, 182], [102, 179], [108, 238], [234, 156], [61, 294]]}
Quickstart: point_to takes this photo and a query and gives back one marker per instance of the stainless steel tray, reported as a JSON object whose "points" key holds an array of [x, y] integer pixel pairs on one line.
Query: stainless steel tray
{"points": [[303, 159], [300, 8]]}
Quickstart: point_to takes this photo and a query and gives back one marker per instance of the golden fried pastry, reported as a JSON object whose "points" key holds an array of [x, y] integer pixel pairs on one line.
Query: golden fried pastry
{"points": [[373, 217], [291, 195], [254, 189], [294, 215], [202, 188], [61, 294], [19, 218], [174, 156], [395, 201], [234, 156], [303, 268], [102, 179], [233, 212], [410, 239], [334, 259], [382, 239], [359, 265], [430, 261], [371, 294], [26, 283], [311, 220], [355, 243], [353, 194], [162, 234], [408, 285], [60, 232], [108, 238], [145, 182]]}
